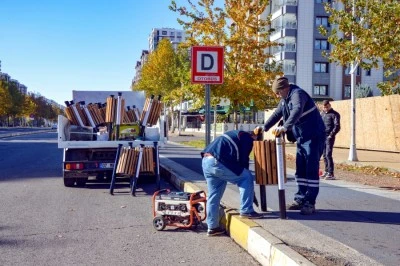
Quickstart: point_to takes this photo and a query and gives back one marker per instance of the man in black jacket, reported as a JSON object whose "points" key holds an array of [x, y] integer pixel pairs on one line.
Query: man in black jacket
{"points": [[331, 120]]}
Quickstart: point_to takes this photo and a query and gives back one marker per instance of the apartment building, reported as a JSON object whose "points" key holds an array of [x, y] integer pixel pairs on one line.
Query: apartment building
{"points": [[296, 25], [157, 34], [7, 78], [138, 66]]}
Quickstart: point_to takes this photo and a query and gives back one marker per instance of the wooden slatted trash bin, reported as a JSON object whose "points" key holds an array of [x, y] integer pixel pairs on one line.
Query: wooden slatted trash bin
{"points": [[265, 164]]}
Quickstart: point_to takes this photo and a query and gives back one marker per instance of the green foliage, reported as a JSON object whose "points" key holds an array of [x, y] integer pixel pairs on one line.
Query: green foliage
{"points": [[238, 28], [375, 27], [14, 104], [5, 98]]}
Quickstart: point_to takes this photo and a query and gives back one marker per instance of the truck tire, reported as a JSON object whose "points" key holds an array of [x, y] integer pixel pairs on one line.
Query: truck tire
{"points": [[100, 176], [81, 182], [109, 175], [69, 182]]}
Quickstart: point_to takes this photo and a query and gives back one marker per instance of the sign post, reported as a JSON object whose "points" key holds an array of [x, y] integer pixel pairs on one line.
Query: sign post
{"points": [[207, 68]]}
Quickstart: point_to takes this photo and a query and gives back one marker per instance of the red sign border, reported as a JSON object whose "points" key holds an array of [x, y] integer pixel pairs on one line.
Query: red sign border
{"points": [[220, 64]]}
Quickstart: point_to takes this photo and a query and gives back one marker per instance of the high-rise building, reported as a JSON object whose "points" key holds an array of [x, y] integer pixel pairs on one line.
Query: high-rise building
{"points": [[138, 67], [296, 25], [157, 34]]}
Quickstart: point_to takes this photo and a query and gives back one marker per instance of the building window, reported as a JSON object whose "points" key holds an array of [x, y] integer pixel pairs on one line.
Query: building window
{"points": [[321, 90], [164, 32], [321, 44], [368, 72], [321, 67], [289, 67], [322, 1], [347, 91], [322, 21]]}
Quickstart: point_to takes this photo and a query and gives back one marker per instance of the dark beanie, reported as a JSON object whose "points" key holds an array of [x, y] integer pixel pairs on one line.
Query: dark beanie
{"points": [[280, 84]]}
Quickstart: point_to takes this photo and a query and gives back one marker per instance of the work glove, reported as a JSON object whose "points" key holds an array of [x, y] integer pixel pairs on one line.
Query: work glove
{"points": [[278, 131], [258, 131]]}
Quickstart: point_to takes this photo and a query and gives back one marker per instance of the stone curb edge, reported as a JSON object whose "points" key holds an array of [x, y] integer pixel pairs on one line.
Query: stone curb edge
{"points": [[259, 243]]}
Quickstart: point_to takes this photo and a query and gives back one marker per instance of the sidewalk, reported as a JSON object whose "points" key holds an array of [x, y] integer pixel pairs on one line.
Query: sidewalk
{"points": [[389, 160], [341, 233]]}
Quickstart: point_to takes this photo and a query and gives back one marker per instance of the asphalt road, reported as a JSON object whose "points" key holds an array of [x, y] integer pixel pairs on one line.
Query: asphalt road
{"points": [[44, 223]]}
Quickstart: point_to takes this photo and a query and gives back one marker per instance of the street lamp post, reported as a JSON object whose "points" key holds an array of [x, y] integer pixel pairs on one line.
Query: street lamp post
{"points": [[353, 72]]}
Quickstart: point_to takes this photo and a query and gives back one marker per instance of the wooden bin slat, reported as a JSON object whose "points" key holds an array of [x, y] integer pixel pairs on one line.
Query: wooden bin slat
{"points": [[265, 162], [273, 162], [264, 170]]}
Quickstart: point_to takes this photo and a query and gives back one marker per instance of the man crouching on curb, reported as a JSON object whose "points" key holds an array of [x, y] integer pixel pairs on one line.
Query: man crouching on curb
{"points": [[226, 159]]}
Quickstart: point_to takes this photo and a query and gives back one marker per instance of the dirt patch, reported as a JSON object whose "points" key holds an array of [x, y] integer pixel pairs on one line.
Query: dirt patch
{"points": [[319, 258]]}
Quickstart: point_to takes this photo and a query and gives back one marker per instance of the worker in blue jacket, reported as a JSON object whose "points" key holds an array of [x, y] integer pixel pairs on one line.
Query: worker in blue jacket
{"points": [[301, 117], [226, 159]]}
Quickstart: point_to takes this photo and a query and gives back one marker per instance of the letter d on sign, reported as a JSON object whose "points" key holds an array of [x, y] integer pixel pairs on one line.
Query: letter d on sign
{"points": [[207, 62]]}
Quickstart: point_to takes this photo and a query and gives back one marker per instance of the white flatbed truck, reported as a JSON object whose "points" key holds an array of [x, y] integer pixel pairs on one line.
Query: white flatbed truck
{"points": [[85, 158]]}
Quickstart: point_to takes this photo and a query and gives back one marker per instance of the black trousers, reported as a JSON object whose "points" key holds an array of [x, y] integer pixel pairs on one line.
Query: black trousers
{"points": [[327, 155]]}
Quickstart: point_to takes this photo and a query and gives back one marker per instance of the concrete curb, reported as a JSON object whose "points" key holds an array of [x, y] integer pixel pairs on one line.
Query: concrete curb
{"points": [[259, 243]]}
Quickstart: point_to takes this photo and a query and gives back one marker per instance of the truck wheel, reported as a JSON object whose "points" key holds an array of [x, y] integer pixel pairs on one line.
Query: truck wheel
{"points": [[100, 176], [69, 182], [109, 175], [81, 182], [159, 223]]}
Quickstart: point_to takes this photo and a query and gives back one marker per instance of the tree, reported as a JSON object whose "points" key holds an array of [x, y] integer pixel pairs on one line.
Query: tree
{"points": [[160, 74], [245, 36], [14, 103], [376, 27], [157, 77]]}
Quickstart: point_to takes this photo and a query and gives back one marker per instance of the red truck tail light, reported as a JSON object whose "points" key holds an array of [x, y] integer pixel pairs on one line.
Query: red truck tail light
{"points": [[74, 166]]}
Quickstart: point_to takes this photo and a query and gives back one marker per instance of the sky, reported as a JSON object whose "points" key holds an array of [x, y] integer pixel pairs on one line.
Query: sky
{"points": [[56, 46]]}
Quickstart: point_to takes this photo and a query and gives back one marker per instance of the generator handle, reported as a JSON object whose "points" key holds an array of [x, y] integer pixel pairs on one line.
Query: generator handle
{"points": [[200, 192]]}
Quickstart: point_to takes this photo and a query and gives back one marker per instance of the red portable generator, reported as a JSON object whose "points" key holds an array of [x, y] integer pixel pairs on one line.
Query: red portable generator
{"points": [[179, 209]]}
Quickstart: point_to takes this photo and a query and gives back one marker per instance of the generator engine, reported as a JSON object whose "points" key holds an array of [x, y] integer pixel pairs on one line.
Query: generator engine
{"points": [[179, 209]]}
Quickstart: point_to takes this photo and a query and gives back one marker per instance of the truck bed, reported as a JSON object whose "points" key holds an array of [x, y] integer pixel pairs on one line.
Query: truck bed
{"points": [[64, 142]]}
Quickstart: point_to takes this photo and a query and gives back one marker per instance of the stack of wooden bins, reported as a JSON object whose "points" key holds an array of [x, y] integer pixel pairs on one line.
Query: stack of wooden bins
{"points": [[265, 162], [128, 161]]}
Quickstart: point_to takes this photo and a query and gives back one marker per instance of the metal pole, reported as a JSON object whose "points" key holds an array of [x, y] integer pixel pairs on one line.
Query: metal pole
{"points": [[353, 149], [281, 177], [207, 115], [215, 123], [180, 113]]}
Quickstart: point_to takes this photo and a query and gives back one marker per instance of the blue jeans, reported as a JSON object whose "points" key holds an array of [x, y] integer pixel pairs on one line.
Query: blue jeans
{"points": [[307, 169], [217, 176]]}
